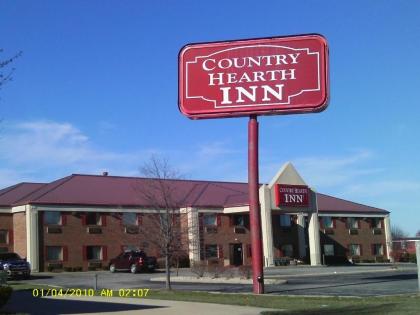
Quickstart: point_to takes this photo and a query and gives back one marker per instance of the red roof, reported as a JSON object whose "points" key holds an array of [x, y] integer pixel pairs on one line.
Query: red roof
{"points": [[13, 194], [332, 204], [116, 191]]}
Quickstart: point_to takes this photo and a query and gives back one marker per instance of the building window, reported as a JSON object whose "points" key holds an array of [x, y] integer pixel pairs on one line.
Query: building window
{"points": [[376, 223], [285, 220], [93, 218], [354, 249], [211, 251], [353, 223], [241, 220], [287, 250], [210, 219], [52, 217], [94, 252], [4, 236], [329, 249], [129, 218], [328, 222], [378, 249], [54, 253]]}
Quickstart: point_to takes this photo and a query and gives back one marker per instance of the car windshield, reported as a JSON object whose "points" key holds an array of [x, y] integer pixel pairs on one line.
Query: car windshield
{"points": [[9, 256]]}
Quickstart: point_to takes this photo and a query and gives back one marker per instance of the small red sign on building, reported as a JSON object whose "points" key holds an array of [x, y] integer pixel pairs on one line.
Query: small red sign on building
{"points": [[267, 76], [292, 195]]}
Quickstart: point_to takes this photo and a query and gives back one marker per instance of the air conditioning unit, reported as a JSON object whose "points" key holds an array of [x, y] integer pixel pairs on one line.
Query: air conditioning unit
{"points": [[353, 231], [211, 229], [131, 229], [377, 231], [94, 230], [54, 230], [239, 230]]}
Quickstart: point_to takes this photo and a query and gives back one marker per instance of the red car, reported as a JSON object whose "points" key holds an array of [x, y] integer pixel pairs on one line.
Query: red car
{"points": [[134, 261]]}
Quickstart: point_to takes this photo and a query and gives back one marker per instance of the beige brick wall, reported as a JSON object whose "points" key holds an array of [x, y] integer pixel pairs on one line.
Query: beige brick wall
{"points": [[19, 230]]}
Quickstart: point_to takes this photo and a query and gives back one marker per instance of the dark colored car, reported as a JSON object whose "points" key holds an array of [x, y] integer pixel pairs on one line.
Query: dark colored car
{"points": [[14, 265], [134, 261]]}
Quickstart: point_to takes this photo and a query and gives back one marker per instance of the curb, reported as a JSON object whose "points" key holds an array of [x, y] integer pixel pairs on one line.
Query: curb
{"points": [[217, 280]]}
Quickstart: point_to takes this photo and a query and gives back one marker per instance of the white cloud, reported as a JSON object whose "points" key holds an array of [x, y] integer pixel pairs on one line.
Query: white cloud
{"points": [[44, 149]]}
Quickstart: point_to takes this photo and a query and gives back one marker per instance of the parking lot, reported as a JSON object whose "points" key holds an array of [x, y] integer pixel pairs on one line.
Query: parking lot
{"points": [[368, 280]]}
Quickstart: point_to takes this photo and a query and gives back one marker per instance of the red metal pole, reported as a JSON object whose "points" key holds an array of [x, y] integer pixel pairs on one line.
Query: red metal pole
{"points": [[254, 207]]}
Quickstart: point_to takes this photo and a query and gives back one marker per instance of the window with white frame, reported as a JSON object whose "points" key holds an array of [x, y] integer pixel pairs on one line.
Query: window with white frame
{"points": [[93, 218], [54, 253], [328, 222], [129, 218], [94, 252], [354, 249], [52, 217], [378, 249], [285, 220], [210, 219], [4, 236], [353, 223], [329, 249], [376, 223], [211, 251], [287, 250]]}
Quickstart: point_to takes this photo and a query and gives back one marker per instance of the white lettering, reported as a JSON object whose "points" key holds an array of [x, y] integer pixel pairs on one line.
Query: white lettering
{"points": [[205, 64], [225, 91], [243, 91], [277, 94]]}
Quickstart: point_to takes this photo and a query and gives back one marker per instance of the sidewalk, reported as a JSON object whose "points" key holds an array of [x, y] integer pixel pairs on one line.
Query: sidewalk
{"points": [[23, 302]]}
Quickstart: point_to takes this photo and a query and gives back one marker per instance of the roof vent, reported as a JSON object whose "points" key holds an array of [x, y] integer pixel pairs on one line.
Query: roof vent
{"points": [[104, 173]]}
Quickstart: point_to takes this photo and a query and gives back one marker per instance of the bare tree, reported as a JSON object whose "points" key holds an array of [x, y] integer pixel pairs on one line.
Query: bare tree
{"points": [[398, 232], [166, 224], [6, 76]]}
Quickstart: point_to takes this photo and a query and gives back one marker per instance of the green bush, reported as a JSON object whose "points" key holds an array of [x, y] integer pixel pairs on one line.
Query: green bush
{"points": [[68, 269], [5, 293], [412, 258]]}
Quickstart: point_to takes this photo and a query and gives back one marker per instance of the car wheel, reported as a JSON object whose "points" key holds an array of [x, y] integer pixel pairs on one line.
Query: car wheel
{"points": [[112, 268], [133, 268], [27, 276]]}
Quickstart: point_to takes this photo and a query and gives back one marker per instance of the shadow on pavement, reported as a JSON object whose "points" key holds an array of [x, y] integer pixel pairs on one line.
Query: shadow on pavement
{"points": [[395, 277], [24, 302]]}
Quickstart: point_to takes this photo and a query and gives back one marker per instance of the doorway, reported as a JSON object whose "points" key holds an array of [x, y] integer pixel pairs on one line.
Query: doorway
{"points": [[236, 254]]}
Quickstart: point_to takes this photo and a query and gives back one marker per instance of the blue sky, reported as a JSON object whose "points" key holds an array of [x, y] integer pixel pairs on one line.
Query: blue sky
{"points": [[96, 89]]}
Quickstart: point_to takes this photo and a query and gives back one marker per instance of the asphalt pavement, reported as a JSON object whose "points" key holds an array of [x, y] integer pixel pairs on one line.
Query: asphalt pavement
{"points": [[24, 302], [365, 280]]}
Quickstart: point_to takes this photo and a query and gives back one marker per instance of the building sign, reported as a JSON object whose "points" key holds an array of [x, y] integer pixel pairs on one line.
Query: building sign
{"points": [[291, 195], [266, 76]]}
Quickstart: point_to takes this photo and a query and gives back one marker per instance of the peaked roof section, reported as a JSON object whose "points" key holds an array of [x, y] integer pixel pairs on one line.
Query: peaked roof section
{"points": [[96, 190], [12, 194], [287, 175]]}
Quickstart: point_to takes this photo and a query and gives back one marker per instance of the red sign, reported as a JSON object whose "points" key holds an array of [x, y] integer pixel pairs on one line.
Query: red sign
{"points": [[292, 195], [281, 75]]}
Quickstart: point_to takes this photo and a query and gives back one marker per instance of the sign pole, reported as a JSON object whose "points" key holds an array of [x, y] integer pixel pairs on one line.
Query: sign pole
{"points": [[254, 207], [418, 261]]}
